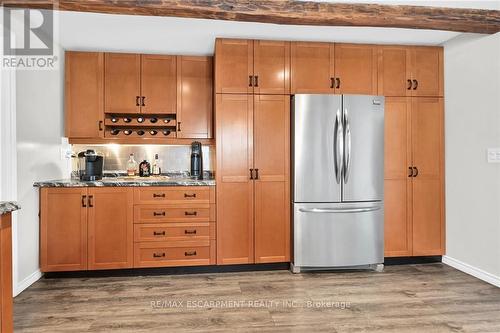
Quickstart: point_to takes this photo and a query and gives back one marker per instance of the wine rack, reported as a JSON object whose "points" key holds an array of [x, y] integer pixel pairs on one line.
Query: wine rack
{"points": [[140, 126]]}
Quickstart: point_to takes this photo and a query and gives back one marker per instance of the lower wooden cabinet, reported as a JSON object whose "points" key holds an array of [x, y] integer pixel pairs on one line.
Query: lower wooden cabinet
{"points": [[414, 186], [86, 228], [6, 312], [253, 205]]}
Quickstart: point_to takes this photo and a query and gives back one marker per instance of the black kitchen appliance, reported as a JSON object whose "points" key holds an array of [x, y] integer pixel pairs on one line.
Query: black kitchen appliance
{"points": [[144, 169], [90, 165], [196, 160]]}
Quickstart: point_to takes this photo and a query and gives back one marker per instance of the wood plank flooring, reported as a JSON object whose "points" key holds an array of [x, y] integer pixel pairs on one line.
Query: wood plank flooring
{"points": [[410, 298]]}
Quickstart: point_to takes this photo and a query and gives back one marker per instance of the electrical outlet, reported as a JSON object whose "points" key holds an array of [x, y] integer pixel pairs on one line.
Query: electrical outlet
{"points": [[65, 153], [493, 155]]}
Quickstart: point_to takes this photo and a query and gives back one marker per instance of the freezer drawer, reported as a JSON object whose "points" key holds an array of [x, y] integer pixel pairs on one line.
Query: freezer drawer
{"points": [[338, 234]]}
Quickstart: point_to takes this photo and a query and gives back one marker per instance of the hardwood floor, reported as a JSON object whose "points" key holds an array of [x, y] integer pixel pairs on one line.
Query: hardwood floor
{"points": [[411, 298]]}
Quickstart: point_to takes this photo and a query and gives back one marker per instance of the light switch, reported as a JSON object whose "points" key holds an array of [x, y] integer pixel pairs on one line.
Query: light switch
{"points": [[493, 155]]}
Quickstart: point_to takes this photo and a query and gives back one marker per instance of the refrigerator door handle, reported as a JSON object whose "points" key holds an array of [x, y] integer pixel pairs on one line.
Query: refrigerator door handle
{"points": [[347, 147], [338, 145], [339, 210]]}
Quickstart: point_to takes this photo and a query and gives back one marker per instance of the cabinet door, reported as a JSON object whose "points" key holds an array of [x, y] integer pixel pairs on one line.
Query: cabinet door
{"points": [[122, 83], [233, 66], [394, 76], [427, 69], [63, 229], [397, 191], [427, 145], [272, 189], [312, 68], [272, 67], [158, 84], [194, 97], [6, 317], [234, 135], [110, 233], [84, 94], [356, 69]]}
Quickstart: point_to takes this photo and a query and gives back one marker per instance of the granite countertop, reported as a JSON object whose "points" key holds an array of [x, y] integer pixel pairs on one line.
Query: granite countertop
{"points": [[127, 181], [8, 206]]}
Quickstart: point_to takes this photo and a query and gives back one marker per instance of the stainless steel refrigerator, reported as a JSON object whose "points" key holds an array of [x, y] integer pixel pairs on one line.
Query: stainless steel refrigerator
{"points": [[338, 181]]}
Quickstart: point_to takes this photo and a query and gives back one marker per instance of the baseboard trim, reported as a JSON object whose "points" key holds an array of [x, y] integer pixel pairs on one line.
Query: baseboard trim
{"points": [[28, 281], [471, 270]]}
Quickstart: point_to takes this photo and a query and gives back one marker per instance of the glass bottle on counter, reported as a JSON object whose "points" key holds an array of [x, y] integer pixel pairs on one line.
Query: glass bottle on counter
{"points": [[131, 166], [156, 166]]}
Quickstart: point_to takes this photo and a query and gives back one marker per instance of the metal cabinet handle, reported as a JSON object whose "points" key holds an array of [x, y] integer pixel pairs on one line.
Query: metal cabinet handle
{"points": [[256, 81], [189, 253], [159, 255], [143, 101], [250, 84], [189, 195], [84, 201], [190, 232], [332, 82], [155, 195], [339, 210], [157, 233], [410, 171], [256, 173], [91, 201], [179, 126], [137, 99], [338, 83], [251, 174], [415, 84], [191, 213], [409, 85], [416, 172], [158, 213], [100, 125]]}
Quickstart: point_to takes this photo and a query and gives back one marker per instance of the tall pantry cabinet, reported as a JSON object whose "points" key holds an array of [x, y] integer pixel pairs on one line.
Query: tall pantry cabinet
{"points": [[411, 78], [253, 151]]}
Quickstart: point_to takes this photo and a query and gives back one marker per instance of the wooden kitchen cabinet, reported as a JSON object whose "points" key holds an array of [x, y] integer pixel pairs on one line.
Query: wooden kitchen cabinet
{"points": [[158, 84], [235, 192], [84, 94], [355, 69], [312, 67], [252, 66], [414, 189], [122, 83], [272, 186], [194, 97], [110, 228], [6, 306], [410, 71], [63, 229]]}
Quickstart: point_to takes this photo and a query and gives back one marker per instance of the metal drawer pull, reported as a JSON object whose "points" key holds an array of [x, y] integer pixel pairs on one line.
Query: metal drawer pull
{"points": [[190, 213], [159, 255], [84, 200], [158, 213], [157, 233], [155, 195], [91, 201], [190, 232], [189, 195], [339, 210], [409, 85], [189, 253]]}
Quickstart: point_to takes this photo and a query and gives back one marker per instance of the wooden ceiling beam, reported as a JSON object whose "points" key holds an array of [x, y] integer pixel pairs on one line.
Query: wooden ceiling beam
{"points": [[291, 12]]}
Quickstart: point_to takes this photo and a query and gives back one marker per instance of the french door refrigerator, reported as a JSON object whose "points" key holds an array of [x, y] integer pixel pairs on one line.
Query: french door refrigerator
{"points": [[338, 182]]}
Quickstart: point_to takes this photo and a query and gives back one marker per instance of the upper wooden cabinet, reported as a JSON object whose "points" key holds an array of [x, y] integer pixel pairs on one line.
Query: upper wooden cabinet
{"points": [[355, 69], [122, 83], [84, 94], [312, 68], [333, 68], [158, 84], [248, 66], [410, 71], [194, 97]]}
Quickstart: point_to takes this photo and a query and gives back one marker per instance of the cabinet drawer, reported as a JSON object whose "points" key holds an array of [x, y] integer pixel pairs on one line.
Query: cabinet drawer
{"points": [[157, 213], [157, 254], [167, 195], [171, 232]]}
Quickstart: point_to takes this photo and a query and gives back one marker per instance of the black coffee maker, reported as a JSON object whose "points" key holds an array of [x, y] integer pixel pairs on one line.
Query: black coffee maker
{"points": [[90, 165], [196, 160]]}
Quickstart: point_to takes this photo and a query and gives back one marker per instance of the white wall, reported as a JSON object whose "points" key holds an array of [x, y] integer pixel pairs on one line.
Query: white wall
{"points": [[39, 142], [472, 101]]}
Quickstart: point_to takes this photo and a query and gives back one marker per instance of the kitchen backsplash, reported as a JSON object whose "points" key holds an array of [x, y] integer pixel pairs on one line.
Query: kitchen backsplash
{"points": [[172, 158]]}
